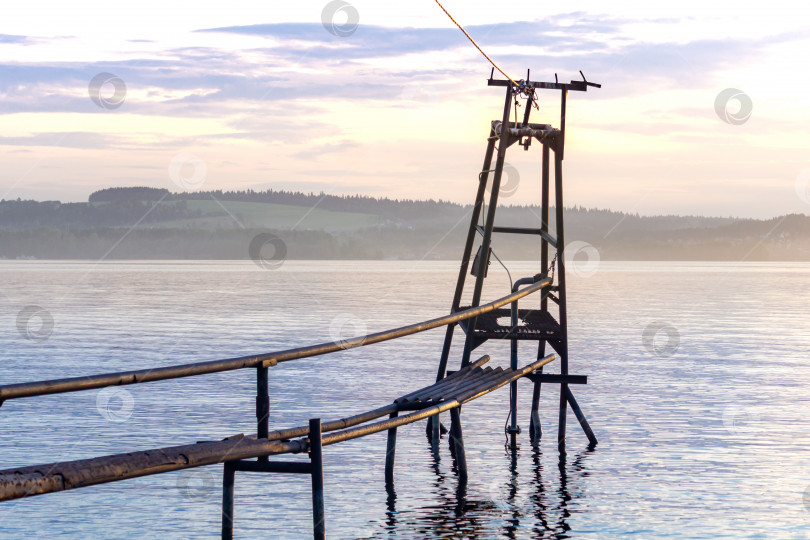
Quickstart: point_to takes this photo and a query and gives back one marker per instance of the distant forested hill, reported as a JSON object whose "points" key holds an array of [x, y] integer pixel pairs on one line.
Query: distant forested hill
{"points": [[214, 225], [118, 194], [406, 209]]}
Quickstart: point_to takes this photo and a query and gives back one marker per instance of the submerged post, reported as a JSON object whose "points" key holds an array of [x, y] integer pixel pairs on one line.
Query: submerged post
{"points": [[390, 452], [262, 405], [513, 428], [227, 500], [316, 458], [457, 442]]}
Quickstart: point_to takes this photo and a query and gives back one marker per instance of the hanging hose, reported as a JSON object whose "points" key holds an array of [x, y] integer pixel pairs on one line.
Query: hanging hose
{"points": [[506, 427], [511, 286]]}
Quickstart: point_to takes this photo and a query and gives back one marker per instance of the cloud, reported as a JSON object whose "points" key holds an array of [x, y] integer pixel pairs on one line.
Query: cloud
{"points": [[303, 60], [330, 148], [284, 88], [66, 139], [10, 38], [381, 42]]}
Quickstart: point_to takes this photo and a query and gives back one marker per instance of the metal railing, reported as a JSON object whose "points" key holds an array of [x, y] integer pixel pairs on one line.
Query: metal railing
{"points": [[89, 382]]}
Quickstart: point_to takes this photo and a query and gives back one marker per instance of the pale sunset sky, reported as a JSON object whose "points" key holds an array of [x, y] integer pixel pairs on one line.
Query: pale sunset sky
{"points": [[393, 101]]}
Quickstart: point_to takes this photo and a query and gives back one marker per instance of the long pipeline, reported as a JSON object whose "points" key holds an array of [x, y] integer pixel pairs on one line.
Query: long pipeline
{"points": [[89, 382]]}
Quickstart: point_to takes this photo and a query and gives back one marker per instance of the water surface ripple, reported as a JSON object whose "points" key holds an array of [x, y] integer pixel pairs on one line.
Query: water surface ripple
{"points": [[702, 424]]}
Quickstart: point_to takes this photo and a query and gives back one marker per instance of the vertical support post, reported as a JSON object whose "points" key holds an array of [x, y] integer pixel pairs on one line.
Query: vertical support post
{"points": [[262, 405], [544, 196], [563, 104], [316, 459], [528, 110], [535, 429], [228, 480], [563, 295], [390, 452], [434, 435], [457, 441], [490, 220], [513, 363]]}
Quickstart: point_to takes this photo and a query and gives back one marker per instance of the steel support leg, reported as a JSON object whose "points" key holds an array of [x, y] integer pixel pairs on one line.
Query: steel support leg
{"points": [[457, 440], [581, 417], [563, 417], [535, 429]]}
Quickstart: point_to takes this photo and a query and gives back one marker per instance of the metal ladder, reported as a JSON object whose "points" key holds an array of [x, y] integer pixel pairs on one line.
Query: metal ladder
{"points": [[538, 324]]}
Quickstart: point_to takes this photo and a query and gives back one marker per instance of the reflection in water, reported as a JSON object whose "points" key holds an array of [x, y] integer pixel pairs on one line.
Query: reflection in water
{"points": [[391, 507], [540, 504]]}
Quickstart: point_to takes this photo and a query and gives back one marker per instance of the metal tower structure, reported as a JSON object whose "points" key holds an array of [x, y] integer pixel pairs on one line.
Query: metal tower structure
{"points": [[536, 324]]}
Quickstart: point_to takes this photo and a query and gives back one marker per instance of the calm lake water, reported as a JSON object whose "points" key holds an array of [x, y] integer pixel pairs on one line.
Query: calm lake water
{"points": [[703, 427]]}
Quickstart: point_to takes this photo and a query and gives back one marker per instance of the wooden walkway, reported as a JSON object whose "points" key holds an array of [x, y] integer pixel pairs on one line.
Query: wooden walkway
{"points": [[458, 388]]}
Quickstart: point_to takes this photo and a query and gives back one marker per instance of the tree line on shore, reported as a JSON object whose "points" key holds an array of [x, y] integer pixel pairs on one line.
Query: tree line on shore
{"points": [[158, 224]]}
